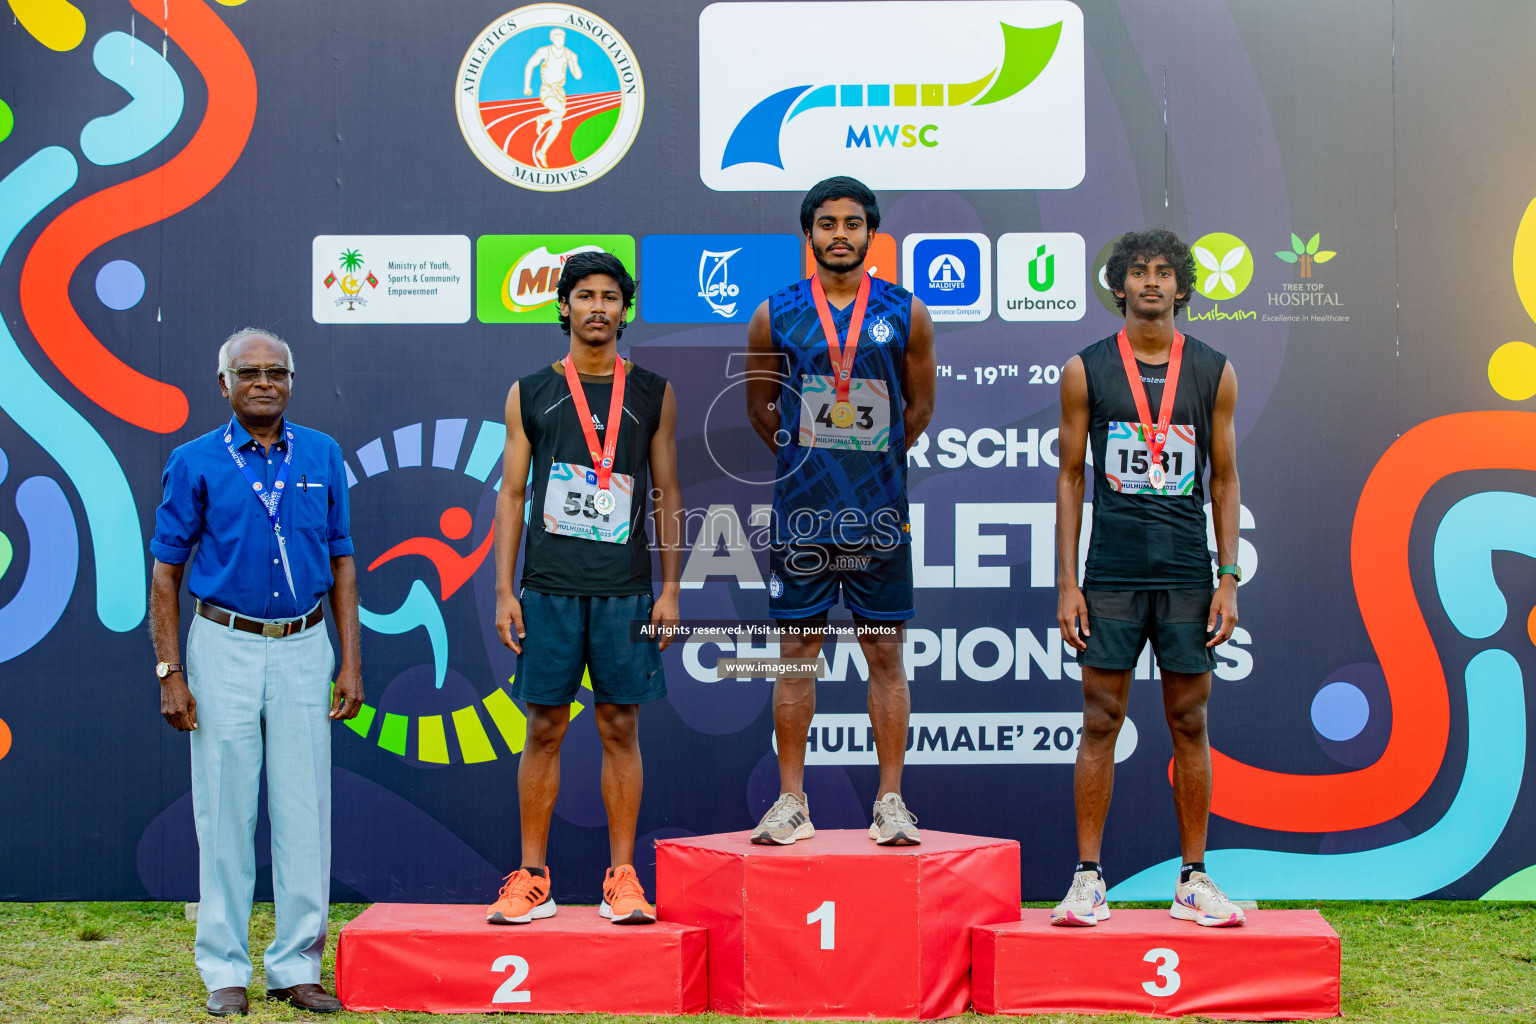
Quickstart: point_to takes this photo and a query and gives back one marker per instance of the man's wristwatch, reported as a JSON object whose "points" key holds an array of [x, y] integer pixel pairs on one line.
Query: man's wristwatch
{"points": [[165, 668], [1235, 571]]}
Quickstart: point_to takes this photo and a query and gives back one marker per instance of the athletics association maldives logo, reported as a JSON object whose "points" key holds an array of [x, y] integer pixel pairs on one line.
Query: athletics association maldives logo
{"points": [[550, 97], [952, 95]]}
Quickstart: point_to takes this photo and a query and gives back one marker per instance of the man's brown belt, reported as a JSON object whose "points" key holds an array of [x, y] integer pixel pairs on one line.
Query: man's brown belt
{"points": [[267, 629]]}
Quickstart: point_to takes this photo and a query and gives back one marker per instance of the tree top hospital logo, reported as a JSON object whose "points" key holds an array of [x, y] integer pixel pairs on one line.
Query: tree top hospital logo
{"points": [[953, 95], [549, 97]]}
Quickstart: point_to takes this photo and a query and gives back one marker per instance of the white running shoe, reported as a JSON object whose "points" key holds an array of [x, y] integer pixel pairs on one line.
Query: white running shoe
{"points": [[893, 824], [1201, 900], [787, 820], [1085, 904]]}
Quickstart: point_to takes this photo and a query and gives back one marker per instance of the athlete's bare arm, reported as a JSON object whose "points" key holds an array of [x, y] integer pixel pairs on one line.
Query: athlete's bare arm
{"points": [[516, 456], [533, 62], [764, 370], [667, 512], [1226, 499], [571, 65], [919, 373], [1071, 448]]}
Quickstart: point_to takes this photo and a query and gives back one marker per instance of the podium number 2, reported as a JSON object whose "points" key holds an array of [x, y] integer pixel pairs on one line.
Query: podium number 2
{"points": [[827, 915], [509, 992], [1166, 960]]}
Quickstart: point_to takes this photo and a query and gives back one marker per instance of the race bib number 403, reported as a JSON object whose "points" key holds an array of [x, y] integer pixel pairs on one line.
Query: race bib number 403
{"points": [[868, 429], [570, 504], [1127, 461]]}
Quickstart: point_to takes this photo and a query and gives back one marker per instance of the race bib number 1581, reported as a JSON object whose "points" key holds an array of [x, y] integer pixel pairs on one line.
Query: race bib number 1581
{"points": [[1127, 461]]}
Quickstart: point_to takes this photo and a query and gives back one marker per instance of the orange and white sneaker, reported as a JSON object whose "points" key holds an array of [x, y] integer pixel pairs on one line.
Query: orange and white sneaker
{"points": [[524, 897], [624, 898]]}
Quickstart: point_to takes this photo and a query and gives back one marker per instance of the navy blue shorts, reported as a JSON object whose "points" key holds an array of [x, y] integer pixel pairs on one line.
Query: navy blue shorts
{"points": [[876, 582], [566, 635]]}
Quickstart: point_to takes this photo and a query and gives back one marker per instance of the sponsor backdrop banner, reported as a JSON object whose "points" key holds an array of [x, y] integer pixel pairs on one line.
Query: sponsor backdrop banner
{"points": [[393, 188]]}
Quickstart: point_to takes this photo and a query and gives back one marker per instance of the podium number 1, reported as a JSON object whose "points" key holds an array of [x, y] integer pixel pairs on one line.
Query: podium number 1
{"points": [[509, 992], [827, 915], [1166, 960]]}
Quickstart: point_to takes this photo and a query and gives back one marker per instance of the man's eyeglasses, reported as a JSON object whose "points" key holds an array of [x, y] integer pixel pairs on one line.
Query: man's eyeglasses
{"points": [[275, 374]]}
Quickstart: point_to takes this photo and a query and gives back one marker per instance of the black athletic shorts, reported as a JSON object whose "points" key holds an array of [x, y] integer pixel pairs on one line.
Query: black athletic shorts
{"points": [[1120, 622]]}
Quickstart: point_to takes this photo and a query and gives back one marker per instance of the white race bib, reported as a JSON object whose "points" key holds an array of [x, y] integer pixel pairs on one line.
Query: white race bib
{"points": [[1127, 460], [870, 430], [570, 504]]}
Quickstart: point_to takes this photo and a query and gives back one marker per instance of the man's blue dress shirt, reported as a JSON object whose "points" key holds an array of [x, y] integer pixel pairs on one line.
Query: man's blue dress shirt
{"points": [[209, 506]]}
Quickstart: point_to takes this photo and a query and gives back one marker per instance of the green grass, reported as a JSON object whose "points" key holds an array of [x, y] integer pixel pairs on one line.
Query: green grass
{"points": [[1404, 963]]}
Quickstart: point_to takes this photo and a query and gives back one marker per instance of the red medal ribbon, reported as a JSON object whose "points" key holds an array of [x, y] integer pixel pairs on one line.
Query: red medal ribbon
{"points": [[842, 358], [1158, 437], [602, 461]]}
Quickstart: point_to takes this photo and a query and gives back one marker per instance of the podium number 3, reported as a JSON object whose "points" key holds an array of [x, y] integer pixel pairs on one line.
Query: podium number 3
{"points": [[1166, 960], [509, 992], [827, 915]]}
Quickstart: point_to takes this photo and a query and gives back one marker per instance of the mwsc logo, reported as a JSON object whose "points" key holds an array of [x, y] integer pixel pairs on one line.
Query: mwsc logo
{"points": [[949, 95], [549, 97]]}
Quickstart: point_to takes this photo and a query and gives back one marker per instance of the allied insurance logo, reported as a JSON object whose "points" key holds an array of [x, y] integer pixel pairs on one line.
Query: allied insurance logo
{"points": [[951, 274], [937, 95], [550, 97], [516, 275]]}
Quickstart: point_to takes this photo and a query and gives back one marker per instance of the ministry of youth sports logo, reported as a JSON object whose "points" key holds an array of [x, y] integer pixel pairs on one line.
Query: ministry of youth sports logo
{"points": [[550, 97]]}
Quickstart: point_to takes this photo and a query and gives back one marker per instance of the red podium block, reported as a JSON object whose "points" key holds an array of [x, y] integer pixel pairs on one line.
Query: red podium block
{"points": [[1281, 965], [836, 926], [446, 959]]}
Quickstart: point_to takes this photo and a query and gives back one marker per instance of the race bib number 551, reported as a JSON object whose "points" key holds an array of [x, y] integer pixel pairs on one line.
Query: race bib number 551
{"points": [[570, 504], [1127, 461]]}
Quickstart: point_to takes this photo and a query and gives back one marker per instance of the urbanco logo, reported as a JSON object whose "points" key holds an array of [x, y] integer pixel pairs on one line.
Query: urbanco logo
{"points": [[549, 97], [1040, 276], [937, 95], [515, 275], [1223, 265]]}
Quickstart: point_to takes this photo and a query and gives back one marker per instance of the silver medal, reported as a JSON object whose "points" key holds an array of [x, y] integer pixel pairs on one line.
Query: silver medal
{"points": [[1155, 477], [605, 502]]}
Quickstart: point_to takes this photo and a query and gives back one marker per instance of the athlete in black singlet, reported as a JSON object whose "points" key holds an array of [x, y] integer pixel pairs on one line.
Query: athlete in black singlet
{"points": [[1157, 408]]}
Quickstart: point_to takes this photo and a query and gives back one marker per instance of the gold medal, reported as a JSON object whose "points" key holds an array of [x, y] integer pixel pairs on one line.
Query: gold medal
{"points": [[842, 415]]}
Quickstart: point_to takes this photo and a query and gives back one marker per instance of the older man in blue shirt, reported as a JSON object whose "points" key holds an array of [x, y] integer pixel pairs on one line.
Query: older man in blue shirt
{"points": [[259, 506]]}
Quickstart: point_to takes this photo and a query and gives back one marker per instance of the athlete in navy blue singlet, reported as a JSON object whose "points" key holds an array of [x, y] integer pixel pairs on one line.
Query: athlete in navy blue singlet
{"points": [[841, 373]]}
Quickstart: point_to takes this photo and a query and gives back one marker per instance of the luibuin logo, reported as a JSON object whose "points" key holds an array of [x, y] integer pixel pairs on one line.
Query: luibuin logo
{"points": [[715, 287], [1306, 254], [755, 139], [1223, 265]]}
